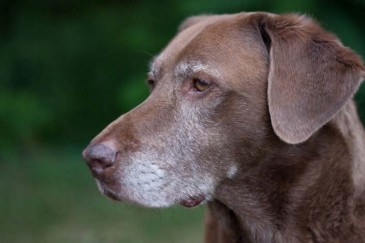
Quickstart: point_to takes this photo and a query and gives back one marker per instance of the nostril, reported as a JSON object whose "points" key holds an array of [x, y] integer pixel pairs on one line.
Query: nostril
{"points": [[99, 157]]}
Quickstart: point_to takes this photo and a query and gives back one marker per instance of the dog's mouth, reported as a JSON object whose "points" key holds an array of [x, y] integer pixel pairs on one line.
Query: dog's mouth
{"points": [[111, 195], [107, 191]]}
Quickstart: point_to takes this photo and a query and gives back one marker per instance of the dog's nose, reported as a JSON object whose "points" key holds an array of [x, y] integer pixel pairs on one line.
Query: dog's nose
{"points": [[99, 157]]}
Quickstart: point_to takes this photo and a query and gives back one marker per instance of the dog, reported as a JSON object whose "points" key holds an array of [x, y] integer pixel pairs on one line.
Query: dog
{"points": [[252, 114]]}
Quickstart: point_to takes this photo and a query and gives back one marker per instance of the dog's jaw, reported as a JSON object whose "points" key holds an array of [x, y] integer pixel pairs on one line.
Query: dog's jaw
{"points": [[153, 184]]}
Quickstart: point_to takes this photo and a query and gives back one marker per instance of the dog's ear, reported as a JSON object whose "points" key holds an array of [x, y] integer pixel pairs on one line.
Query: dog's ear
{"points": [[311, 75], [192, 21]]}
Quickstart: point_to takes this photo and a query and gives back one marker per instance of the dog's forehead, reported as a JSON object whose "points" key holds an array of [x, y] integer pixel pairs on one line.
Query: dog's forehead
{"points": [[220, 43], [177, 46]]}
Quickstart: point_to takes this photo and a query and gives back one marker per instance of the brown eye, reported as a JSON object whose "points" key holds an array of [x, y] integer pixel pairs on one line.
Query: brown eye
{"points": [[200, 85], [151, 84]]}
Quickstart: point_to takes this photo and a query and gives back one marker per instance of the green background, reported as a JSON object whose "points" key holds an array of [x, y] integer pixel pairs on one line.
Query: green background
{"points": [[67, 69]]}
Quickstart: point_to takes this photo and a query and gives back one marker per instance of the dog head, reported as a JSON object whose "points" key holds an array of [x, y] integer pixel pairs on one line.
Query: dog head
{"points": [[224, 88]]}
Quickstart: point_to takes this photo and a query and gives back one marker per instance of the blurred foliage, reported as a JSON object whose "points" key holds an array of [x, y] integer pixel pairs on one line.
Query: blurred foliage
{"points": [[68, 68]]}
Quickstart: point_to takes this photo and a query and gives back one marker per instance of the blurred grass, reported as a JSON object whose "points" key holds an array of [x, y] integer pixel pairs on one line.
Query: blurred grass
{"points": [[49, 196]]}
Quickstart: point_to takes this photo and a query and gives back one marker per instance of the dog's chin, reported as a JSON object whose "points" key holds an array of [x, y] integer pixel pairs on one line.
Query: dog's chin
{"points": [[191, 202], [117, 195]]}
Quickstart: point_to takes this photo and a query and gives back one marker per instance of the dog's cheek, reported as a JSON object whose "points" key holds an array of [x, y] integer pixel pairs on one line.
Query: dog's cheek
{"points": [[147, 181], [204, 142], [153, 182]]}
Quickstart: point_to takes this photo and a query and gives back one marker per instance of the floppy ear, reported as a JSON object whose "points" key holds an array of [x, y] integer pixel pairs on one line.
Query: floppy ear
{"points": [[311, 75]]}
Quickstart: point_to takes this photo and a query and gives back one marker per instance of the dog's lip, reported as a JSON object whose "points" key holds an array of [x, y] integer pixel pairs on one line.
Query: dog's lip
{"points": [[192, 201], [110, 191], [106, 189], [111, 195]]}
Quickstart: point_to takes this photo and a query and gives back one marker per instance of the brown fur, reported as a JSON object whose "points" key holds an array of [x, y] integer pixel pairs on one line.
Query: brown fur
{"points": [[276, 133]]}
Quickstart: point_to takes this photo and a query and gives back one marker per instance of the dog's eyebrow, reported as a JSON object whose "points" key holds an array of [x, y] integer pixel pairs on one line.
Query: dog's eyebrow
{"points": [[184, 69], [155, 67], [152, 66]]}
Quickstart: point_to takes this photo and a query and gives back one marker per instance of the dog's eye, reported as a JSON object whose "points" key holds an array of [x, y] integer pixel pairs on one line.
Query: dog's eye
{"points": [[200, 85], [151, 84]]}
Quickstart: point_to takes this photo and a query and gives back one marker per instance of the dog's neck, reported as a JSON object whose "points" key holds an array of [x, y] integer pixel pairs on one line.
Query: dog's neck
{"points": [[296, 192]]}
